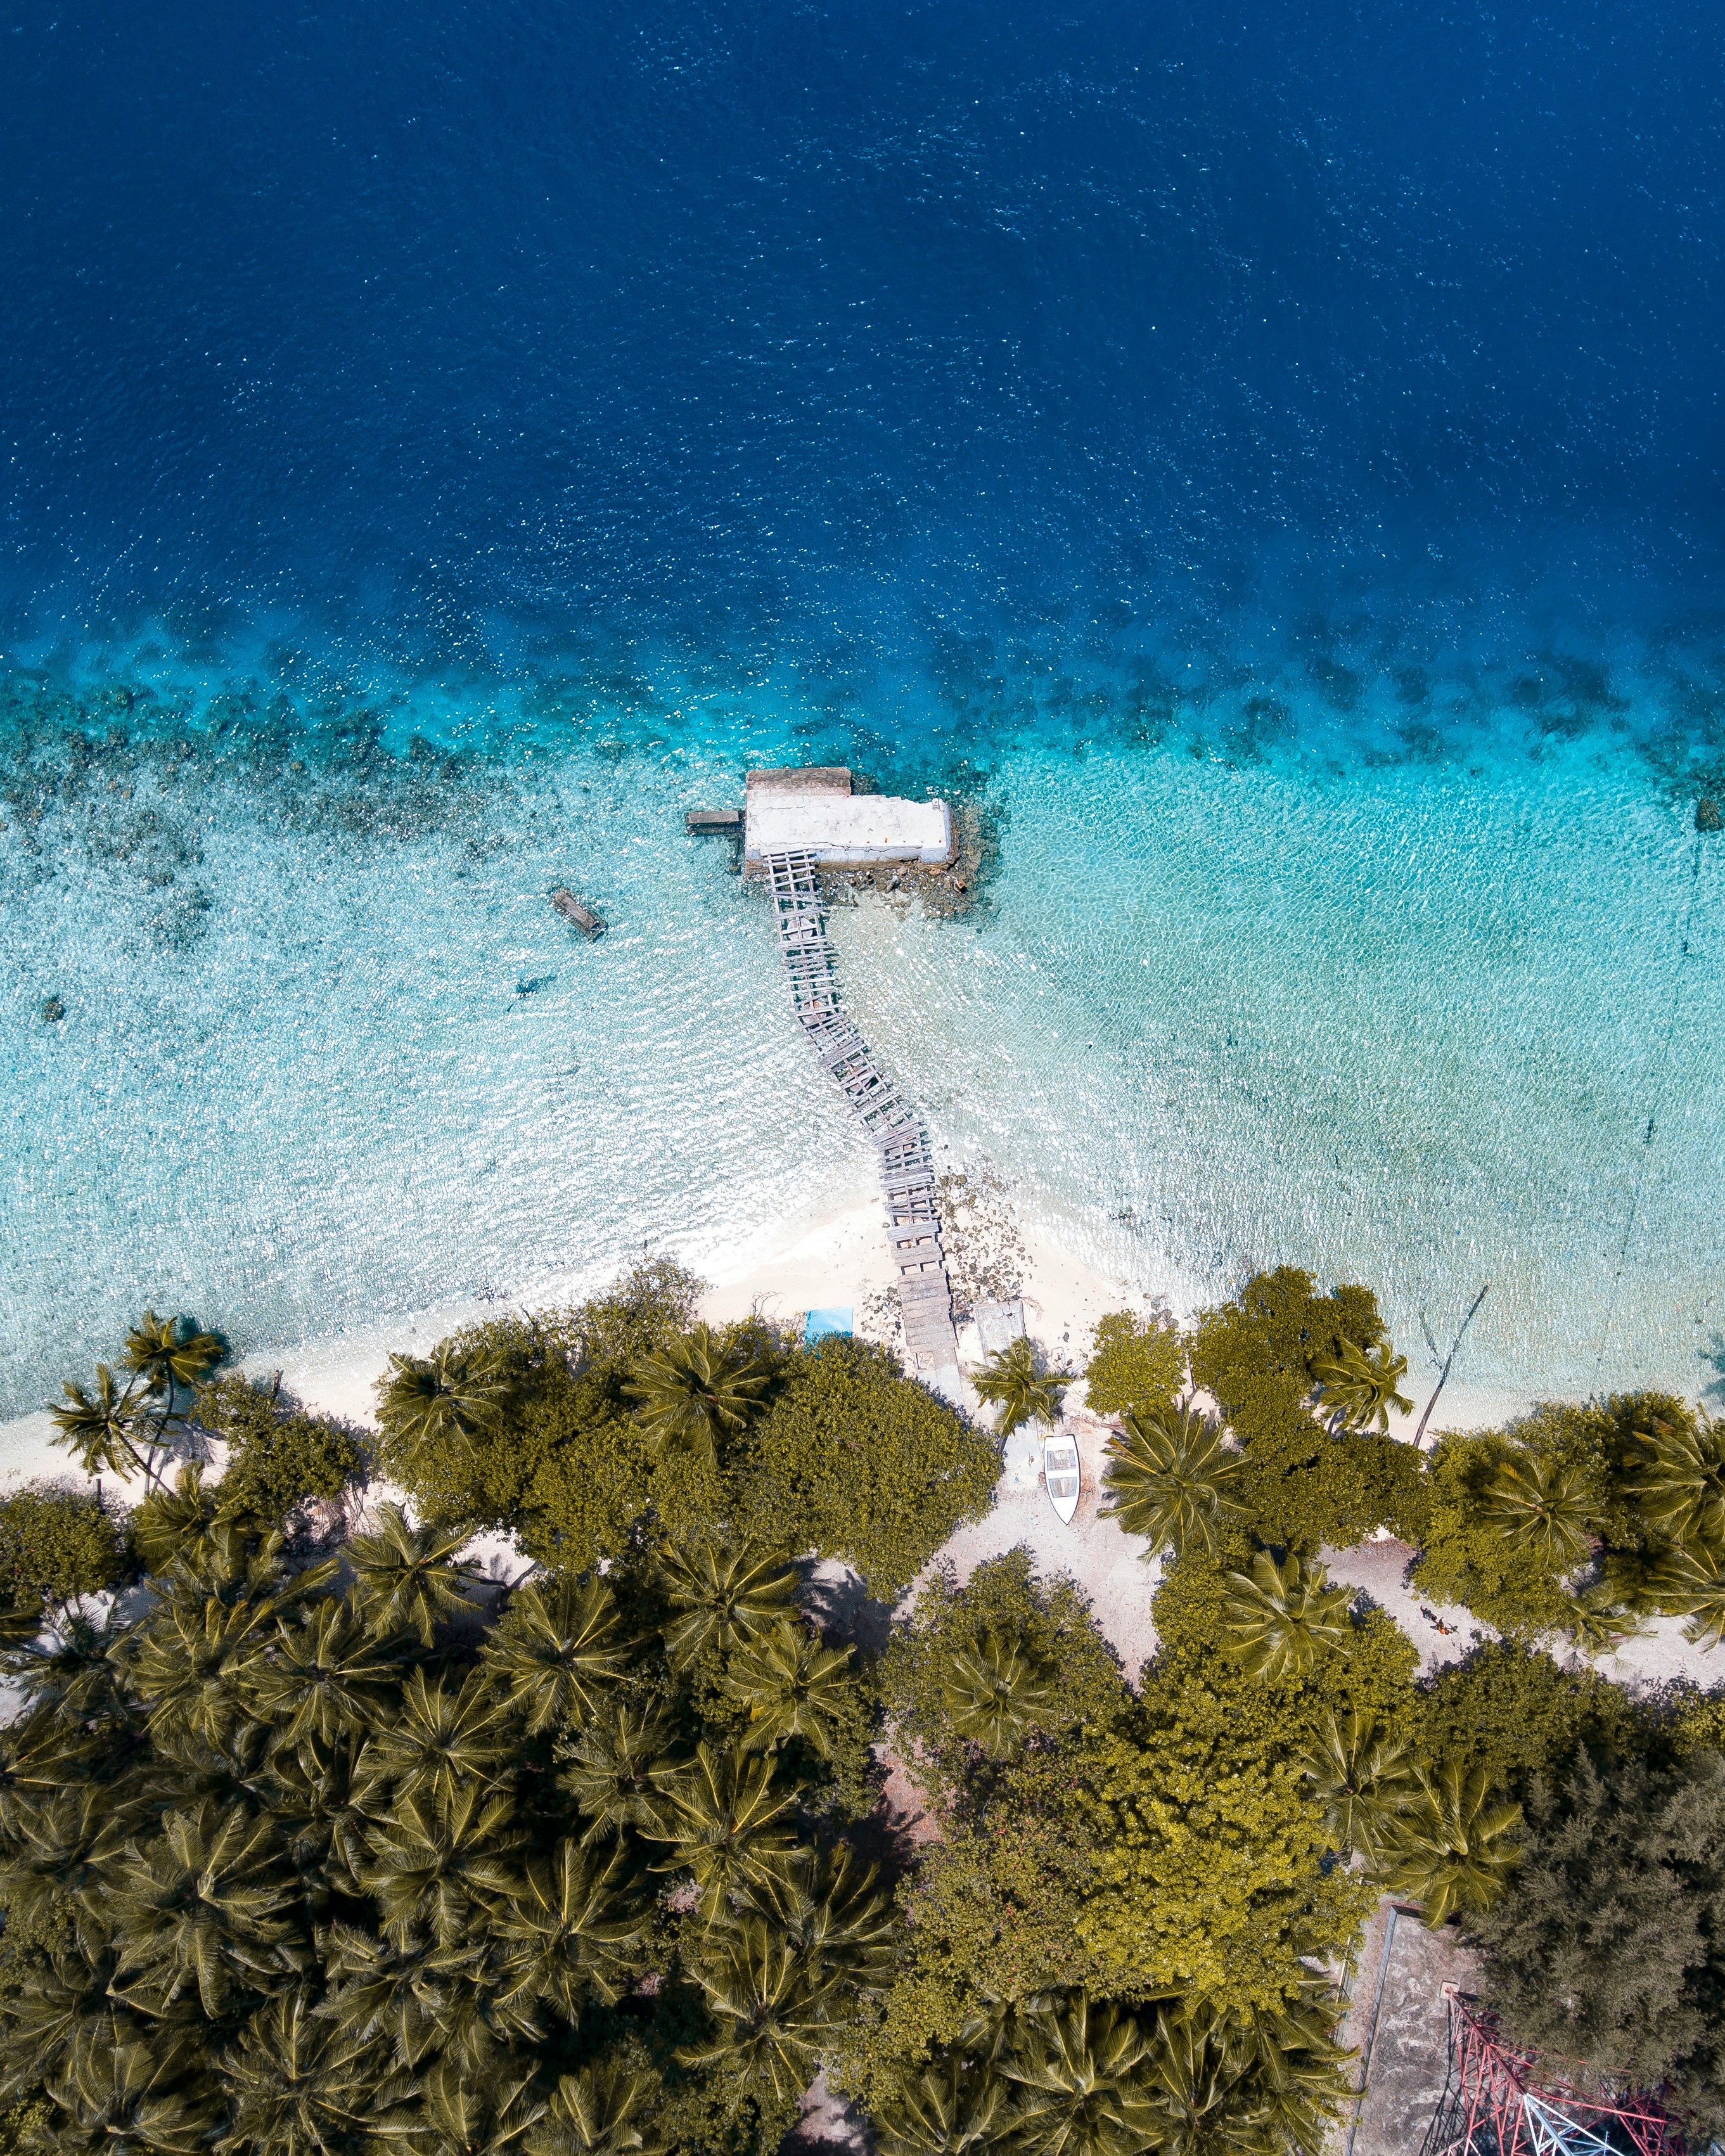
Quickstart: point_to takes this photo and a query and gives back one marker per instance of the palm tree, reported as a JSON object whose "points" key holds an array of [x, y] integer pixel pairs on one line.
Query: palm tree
{"points": [[559, 1647], [409, 1579], [101, 1426], [1295, 2079], [1599, 1621], [169, 1353], [447, 1737], [995, 1693], [696, 1394], [187, 1519], [724, 1596], [1011, 1381], [201, 1907], [616, 1767], [1677, 1479], [571, 1931], [326, 1675], [601, 2110], [1172, 1478], [1358, 1389], [193, 1665], [1284, 1617], [773, 2011], [1363, 1777], [1198, 2083], [952, 2109], [829, 1910], [132, 2092], [439, 1867], [461, 2118], [1455, 1846], [396, 1990], [791, 1686], [71, 1668], [300, 2084], [1542, 1507], [1690, 1582], [1080, 2089], [727, 1824], [427, 1406]]}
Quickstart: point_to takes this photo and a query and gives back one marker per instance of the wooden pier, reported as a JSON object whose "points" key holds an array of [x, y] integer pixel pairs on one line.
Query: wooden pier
{"points": [[907, 1178]]}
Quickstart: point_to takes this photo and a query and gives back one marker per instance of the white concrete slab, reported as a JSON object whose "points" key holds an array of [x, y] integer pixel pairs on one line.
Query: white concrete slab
{"points": [[846, 829]]}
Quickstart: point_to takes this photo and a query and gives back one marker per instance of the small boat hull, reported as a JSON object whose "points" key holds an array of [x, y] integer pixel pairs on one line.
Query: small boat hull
{"points": [[1061, 1474]]}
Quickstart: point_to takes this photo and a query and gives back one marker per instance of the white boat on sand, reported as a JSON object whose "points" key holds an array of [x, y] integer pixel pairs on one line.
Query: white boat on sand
{"points": [[1060, 1471]]}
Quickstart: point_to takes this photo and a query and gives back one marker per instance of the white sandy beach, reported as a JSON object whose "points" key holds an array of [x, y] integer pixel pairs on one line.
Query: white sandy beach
{"points": [[834, 1254]]}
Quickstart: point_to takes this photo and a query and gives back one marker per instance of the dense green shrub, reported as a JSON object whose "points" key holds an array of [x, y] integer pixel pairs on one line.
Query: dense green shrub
{"points": [[854, 1460], [1210, 1875], [841, 1453], [991, 1917], [1512, 1709], [1612, 1948], [55, 1545], [1135, 1364], [1472, 1553], [278, 1455], [1304, 1486]]}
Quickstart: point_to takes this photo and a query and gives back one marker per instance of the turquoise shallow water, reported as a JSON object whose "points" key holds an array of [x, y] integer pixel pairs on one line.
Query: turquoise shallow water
{"points": [[1398, 990]]}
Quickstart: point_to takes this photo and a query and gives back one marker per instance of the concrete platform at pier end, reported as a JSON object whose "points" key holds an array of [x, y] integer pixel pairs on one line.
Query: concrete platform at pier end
{"points": [[814, 812]]}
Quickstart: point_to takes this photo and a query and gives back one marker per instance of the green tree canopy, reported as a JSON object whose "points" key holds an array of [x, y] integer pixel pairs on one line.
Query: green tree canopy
{"points": [[1611, 1949]]}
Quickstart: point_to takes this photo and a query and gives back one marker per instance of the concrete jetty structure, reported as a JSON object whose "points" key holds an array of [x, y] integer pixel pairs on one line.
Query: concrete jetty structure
{"points": [[814, 812], [908, 1176]]}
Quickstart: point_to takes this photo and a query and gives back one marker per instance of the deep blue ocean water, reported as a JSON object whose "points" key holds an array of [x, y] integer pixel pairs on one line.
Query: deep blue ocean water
{"points": [[1266, 460]]}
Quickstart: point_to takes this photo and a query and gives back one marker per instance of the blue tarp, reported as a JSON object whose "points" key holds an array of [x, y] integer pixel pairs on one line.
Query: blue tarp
{"points": [[819, 1323]]}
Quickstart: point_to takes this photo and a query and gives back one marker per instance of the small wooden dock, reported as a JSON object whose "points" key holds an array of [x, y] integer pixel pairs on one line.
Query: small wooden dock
{"points": [[907, 1176], [573, 911]]}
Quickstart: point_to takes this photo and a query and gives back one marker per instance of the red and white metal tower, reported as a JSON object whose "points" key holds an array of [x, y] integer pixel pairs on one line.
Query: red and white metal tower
{"points": [[1506, 2099]]}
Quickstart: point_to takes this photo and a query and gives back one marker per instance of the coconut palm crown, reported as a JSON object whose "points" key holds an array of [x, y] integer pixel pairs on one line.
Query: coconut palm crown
{"points": [[1283, 1618], [427, 1404], [697, 1393], [1172, 1478], [1011, 1381], [1455, 1846], [994, 1693], [1544, 1507], [1676, 1477], [1358, 1388]]}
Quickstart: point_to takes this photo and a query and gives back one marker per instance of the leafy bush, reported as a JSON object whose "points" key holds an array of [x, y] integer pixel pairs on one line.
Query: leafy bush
{"points": [[856, 1461], [1304, 1486], [992, 1915], [1210, 1877], [1512, 1709], [1135, 1364], [562, 1463], [1003, 1598], [55, 1545], [1612, 1948], [279, 1454]]}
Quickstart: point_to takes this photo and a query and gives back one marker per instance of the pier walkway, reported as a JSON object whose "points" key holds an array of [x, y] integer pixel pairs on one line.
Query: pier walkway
{"points": [[907, 1178]]}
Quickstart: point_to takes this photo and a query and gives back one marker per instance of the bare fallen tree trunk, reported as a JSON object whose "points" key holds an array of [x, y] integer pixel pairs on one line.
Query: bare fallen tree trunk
{"points": [[1443, 1374]]}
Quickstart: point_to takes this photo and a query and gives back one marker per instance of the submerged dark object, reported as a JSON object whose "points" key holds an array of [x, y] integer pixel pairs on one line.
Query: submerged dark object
{"points": [[53, 1010], [581, 916], [1707, 814]]}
